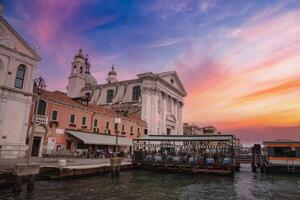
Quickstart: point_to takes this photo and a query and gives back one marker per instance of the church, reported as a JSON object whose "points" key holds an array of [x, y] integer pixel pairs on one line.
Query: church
{"points": [[157, 98], [18, 66]]}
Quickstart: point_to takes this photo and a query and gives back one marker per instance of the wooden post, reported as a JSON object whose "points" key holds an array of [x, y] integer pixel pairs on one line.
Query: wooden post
{"points": [[115, 166], [30, 185], [18, 184]]}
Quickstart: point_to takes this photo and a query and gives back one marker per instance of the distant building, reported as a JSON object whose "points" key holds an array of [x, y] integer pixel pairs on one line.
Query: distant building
{"points": [[192, 129], [18, 66], [158, 98], [210, 130], [72, 124]]}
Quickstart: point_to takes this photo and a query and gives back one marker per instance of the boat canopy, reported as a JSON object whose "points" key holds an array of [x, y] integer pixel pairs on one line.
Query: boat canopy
{"points": [[186, 138]]}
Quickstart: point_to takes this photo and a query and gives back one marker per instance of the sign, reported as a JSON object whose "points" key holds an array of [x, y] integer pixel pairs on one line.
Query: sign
{"points": [[60, 131], [51, 143], [117, 120]]}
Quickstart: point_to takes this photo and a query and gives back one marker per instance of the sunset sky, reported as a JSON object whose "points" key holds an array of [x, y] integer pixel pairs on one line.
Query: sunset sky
{"points": [[238, 60]]}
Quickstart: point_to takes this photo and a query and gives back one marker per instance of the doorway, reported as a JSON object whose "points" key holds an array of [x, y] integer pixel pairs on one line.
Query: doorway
{"points": [[36, 146], [168, 131]]}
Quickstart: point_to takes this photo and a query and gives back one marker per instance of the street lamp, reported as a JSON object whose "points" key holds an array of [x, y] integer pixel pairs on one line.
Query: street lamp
{"points": [[39, 84], [117, 122]]}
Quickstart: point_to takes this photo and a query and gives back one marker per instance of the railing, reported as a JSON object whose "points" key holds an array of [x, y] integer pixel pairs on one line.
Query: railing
{"points": [[185, 160], [41, 119]]}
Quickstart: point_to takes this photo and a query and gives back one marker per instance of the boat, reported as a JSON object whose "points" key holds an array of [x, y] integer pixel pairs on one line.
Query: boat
{"points": [[281, 156]]}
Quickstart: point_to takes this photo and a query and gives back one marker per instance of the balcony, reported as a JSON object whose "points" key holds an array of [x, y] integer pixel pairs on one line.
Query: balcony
{"points": [[40, 119]]}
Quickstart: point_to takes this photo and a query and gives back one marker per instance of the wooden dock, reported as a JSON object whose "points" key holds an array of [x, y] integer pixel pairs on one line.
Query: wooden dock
{"points": [[55, 172], [181, 168]]}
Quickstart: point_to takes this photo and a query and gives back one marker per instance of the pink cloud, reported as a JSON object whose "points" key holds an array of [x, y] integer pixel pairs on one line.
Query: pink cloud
{"points": [[261, 55]]}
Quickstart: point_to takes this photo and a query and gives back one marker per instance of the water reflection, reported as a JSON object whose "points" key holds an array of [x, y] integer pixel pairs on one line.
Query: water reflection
{"points": [[149, 185]]}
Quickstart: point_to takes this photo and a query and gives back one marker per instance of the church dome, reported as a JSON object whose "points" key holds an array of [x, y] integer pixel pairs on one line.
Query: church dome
{"points": [[112, 71], [90, 80], [79, 57]]}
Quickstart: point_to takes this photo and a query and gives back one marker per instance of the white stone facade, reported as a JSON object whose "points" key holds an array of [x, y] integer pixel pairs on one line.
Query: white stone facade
{"points": [[16, 57], [157, 97]]}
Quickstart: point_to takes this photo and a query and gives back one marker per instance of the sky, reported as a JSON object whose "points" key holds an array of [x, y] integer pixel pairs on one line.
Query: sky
{"points": [[238, 60]]}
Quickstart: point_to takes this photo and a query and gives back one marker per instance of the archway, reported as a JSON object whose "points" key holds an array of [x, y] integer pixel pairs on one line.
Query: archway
{"points": [[40, 133]]}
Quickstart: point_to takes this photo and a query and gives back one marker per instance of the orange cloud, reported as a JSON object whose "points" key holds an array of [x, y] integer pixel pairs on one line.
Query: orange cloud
{"points": [[276, 90], [250, 79]]}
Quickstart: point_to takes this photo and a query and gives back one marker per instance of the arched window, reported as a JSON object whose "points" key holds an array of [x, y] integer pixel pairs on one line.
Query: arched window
{"points": [[136, 93], [20, 77], [81, 70], [110, 96], [74, 69], [42, 108]]}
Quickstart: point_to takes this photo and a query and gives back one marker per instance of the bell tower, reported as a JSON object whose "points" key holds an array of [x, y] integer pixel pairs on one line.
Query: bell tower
{"points": [[112, 75], [77, 76]]}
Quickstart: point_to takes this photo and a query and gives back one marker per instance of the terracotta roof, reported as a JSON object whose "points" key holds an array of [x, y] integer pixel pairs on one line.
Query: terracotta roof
{"points": [[136, 116], [62, 97]]}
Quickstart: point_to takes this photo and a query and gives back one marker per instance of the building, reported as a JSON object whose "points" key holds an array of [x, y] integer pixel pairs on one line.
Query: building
{"points": [[18, 66], [209, 130], [72, 124], [192, 129], [158, 98]]}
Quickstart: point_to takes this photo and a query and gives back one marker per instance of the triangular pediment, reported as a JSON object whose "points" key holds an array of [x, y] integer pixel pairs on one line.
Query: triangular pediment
{"points": [[11, 40], [173, 79]]}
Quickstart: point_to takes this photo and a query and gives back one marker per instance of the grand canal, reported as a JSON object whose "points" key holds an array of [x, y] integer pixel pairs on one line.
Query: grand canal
{"points": [[150, 185]]}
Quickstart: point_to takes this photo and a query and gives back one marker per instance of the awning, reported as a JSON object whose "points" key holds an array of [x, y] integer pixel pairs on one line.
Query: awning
{"points": [[186, 138], [92, 138]]}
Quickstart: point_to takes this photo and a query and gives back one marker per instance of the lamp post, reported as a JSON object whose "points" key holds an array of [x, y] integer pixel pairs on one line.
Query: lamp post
{"points": [[39, 84], [115, 162], [117, 122]]}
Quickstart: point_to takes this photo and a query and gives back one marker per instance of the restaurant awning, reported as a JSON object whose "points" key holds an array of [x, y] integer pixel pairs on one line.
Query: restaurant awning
{"points": [[92, 138]]}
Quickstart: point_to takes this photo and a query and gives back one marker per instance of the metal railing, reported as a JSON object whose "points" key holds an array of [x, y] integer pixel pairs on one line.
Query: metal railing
{"points": [[40, 119]]}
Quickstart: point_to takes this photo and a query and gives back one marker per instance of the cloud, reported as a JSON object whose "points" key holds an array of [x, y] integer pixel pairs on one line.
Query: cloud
{"points": [[247, 79], [167, 42], [273, 91]]}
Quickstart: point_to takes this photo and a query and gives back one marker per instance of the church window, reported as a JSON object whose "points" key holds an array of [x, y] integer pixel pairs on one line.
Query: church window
{"points": [[81, 69], [20, 77], [136, 93], [110, 96], [42, 108], [172, 81]]}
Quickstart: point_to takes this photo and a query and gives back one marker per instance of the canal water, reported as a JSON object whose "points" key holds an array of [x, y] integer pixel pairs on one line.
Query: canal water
{"points": [[151, 185]]}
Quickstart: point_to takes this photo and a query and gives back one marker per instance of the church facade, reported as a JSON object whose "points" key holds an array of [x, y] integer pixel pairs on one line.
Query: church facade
{"points": [[18, 66], [157, 98]]}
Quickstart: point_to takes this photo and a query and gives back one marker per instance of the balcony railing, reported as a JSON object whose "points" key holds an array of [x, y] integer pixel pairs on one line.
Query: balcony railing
{"points": [[41, 119]]}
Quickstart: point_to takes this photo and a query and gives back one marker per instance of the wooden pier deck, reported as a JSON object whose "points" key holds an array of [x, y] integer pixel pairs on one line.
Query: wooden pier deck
{"points": [[181, 168]]}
